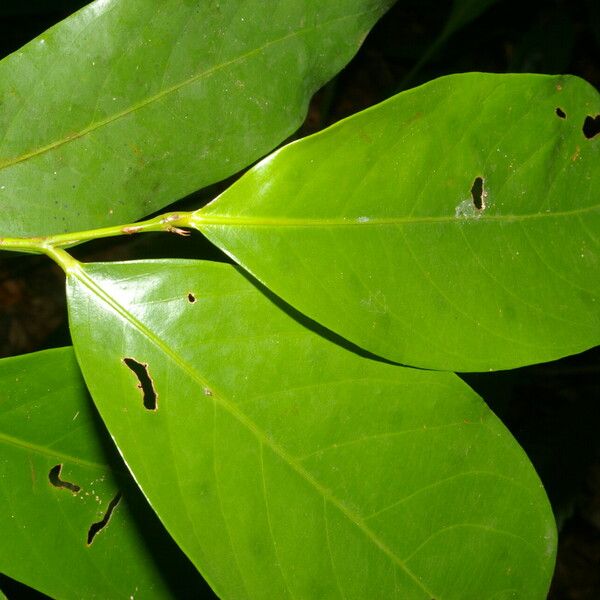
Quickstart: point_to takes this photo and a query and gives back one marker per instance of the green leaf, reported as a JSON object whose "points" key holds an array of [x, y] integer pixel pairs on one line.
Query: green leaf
{"points": [[58, 475], [371, 229], [127, 106], [288, 467]]}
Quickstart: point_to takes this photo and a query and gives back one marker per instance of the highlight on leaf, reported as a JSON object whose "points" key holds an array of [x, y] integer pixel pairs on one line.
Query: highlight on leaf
{"points": [[423, 235], [286, 450], [297, 453]]}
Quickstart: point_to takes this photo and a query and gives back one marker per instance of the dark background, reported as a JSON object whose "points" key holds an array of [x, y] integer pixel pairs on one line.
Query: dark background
{"points": [[551, 408]]}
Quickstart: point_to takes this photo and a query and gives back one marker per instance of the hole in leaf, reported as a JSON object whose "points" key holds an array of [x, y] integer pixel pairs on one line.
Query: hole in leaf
{"points": [[591, 126], [191, 298], [560, 113], [478, 193], [145, 382], [96, 528], [56, 481]]}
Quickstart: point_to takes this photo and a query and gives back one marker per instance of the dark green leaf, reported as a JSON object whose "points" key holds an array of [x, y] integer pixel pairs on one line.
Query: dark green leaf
{"points": [[59, 474], [289, 467], [455, 226], [129, 105]]}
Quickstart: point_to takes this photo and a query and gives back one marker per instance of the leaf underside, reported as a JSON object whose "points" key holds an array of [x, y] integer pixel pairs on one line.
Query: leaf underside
{"points": [[288, 467], [454, 226]]}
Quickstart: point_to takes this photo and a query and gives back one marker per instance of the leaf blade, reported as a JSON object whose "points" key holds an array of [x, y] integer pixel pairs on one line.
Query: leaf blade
{"points": [[379, 217], [169, 99], [59, 477], [278, 472]]}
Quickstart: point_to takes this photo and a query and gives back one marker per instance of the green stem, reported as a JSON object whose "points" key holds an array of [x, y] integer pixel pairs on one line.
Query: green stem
{"points": [[62, 258], [172, 222]]}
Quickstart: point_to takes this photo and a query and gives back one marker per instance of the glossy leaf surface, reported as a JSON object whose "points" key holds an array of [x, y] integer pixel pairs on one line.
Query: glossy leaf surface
{"points": [[58, 475], [127, 106], [455, 226], [288, 467]]}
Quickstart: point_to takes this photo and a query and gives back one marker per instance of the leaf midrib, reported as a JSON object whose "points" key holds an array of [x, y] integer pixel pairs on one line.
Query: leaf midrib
{"points": [[218, 397], [202, 219], [49, 452], [169, 90]]}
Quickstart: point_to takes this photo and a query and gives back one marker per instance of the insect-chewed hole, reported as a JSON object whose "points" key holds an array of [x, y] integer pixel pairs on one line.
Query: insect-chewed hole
{"points": [[560, 113], [96, 528], [478, 193], [145, 382], [591, 126], [191, 298], [56, 481]]}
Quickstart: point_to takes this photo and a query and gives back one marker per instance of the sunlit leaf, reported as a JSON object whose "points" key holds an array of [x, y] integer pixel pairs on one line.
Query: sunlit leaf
{"points": [[72, 523], [129, 105], [286, 466], [455, 226]]}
